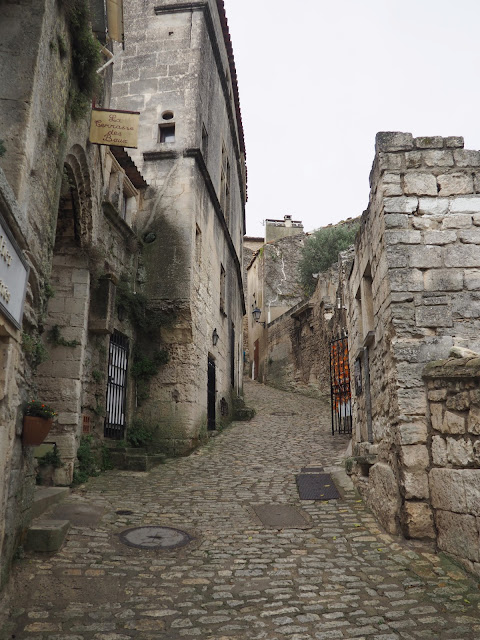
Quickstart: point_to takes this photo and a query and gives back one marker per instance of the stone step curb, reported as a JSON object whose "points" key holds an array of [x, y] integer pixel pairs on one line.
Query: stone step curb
{"points": [[46, 535], [45, 497], [136, 461]]}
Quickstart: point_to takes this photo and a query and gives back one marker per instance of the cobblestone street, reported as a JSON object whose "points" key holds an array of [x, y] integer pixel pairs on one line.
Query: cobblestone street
{"points": [[342, 578]]}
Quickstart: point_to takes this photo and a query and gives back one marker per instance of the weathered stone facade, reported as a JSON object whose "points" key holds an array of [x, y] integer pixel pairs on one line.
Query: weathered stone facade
{"points": [[59, 197], [273, 288], [177, 70], [413, 295], [298, 350]]}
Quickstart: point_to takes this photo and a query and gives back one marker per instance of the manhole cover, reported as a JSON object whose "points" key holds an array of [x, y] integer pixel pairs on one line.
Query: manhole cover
{"points": [[124, 512], [155, 538]]}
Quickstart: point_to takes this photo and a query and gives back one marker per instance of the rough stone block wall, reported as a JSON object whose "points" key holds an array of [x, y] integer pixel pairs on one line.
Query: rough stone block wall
{"points": [[281, 288], [298, 350], [414, 293], [453, 388]]}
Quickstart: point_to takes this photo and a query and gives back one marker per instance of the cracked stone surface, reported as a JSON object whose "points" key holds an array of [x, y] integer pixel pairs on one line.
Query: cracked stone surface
{"points": [[343, 578]]}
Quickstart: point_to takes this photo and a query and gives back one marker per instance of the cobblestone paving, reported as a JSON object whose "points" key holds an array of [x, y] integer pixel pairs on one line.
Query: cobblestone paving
{"points": [[343, 578]]}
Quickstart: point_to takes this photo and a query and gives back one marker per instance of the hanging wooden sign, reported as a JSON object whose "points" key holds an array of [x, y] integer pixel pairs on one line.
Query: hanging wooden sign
{"points": [[114, 128]]}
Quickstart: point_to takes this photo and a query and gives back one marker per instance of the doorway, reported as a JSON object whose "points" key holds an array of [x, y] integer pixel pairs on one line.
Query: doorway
{"points": [[211, 395]]}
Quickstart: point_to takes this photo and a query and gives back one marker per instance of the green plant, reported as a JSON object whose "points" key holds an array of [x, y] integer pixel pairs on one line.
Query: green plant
{"points": [[86, 57], [34, 349], [52, 129], [136, 306], [99, 409], [51, 458], [55, 337], [106, 462], [62, 45], [3, 149], [38, 409], [87, 464], [321, 250], [48, 290], [97, 376], [78, 104], [53, 46], [145, 367], [140, 434]]}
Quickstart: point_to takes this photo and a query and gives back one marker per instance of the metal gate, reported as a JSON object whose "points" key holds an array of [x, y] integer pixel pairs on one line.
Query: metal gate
{"points": [[116, 387], [340, 386]]}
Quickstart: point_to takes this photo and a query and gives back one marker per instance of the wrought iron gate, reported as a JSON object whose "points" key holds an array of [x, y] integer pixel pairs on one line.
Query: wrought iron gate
{"points": [[117, 387], [340, 386]]}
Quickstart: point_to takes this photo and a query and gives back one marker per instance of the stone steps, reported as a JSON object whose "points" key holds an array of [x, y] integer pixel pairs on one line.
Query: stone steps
{"points": [[45, 497], [44, 534], [136, 459]]}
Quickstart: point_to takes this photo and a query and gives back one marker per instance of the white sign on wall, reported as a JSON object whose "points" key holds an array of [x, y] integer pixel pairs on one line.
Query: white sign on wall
{"points": [[13, 277]]}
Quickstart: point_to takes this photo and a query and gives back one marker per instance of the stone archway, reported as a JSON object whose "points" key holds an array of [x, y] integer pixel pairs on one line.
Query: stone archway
{"points": [[66, 327]]}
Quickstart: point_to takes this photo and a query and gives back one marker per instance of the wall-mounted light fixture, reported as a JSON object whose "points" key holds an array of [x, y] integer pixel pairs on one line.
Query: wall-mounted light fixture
{"points": [[215, 337], [256, 316]]}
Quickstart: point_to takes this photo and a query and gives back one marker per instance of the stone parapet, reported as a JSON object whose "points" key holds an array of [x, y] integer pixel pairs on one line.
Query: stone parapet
{"points": [[454, 443]]}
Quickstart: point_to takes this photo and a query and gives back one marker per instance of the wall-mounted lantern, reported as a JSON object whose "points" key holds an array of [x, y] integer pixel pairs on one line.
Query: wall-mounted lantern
{"points": [[256, 316], [215, 337]]}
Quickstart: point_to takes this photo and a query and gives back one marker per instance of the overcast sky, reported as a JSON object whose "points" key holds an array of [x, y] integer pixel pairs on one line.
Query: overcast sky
{"points": [[319, 78]]}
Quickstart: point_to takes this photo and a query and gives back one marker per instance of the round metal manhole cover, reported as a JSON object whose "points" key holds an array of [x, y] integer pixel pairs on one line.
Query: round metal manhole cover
{"points": [[155, 538]]}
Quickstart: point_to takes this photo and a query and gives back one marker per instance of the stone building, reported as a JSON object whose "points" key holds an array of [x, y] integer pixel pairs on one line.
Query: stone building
{"points": [[277, 229], [67, 213], [273, 288], [297, 354], [178, 71], [413, 296]]}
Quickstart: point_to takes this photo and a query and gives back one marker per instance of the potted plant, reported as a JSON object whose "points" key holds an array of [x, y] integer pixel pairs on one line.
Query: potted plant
{"points": [[37, 422]]}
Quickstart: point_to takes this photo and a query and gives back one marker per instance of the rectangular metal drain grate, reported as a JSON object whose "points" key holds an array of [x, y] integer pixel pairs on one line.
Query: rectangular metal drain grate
{"points": [[312, 470], [281, 516], [317, 486]]}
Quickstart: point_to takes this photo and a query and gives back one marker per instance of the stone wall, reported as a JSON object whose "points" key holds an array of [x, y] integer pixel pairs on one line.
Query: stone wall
{"points": [[273, 287], [298, 350], [55, 192], [412, 295], [453, 388]]}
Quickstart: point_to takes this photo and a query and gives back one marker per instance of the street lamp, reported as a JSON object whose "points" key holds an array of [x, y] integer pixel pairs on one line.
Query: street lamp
{"points": [[256, 316]]}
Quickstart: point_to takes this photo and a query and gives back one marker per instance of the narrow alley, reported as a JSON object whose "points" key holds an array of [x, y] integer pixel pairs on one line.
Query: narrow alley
{"points": [[337, 576]]}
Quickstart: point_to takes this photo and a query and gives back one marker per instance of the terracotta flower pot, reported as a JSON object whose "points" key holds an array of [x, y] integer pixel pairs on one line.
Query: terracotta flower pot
{"points": [[35, 430]]}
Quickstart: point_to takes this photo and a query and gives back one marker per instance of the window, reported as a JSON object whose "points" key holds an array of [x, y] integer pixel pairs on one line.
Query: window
{"points": [[222, 289], [166, 133], [225, 185]]}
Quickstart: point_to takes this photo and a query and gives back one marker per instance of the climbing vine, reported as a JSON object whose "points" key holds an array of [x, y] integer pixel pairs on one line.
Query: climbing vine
{"points": [[86, 57]]}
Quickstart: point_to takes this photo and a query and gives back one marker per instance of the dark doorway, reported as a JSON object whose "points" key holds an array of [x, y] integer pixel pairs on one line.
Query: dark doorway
{"points": [[212, 393], [232, 356], [256, 359]]}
